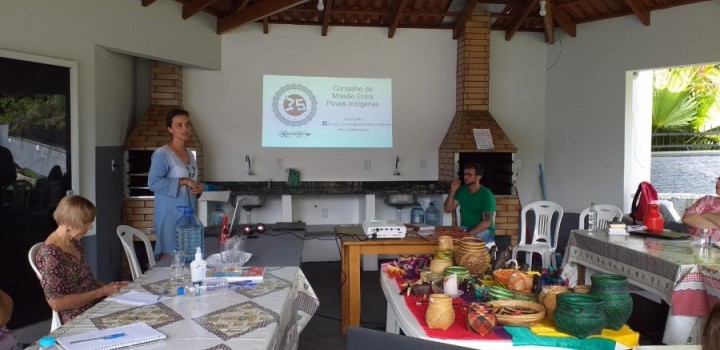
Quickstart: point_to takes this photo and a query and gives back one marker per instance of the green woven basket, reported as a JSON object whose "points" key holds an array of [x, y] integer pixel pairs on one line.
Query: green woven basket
{"points": [[617, 302], [580, 315]]}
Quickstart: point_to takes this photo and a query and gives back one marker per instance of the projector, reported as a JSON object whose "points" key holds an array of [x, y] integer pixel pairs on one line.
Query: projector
{"points": [[384, 228]]}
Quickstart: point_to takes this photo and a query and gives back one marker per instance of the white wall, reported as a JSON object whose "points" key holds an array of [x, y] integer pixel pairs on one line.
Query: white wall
{"points": [[517, 101], [586, 92], [421, 63], [227, 110], [72, 29]]}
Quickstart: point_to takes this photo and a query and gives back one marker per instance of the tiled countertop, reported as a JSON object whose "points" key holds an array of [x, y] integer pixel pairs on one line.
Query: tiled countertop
{"points": [[334, 187]]}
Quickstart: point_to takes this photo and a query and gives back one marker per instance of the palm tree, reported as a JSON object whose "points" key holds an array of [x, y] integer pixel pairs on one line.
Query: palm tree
{"points": [[682, 98]]}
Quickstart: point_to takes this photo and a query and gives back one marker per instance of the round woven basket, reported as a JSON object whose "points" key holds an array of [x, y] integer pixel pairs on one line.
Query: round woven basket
{"points": [[440, 313], [612, 289], [520, 282], [582, 289], [580, 315], [445, 242], [501, 276], [548, 297], [535, 312], [438, 265]]}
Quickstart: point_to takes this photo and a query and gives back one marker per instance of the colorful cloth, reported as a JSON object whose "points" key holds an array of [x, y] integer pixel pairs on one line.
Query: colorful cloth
{"points": [[64, 274], [473, 205], [166, 169], [625, 335], [704, 205], [523, 336]]}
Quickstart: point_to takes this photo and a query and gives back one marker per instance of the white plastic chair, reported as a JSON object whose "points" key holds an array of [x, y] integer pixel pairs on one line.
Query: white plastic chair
{"points": [[126, 234], [55, 323], [544, 238], [606, 213]]}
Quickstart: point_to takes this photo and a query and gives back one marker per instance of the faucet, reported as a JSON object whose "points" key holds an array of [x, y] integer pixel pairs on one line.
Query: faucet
{"points": [[247, 159], [396, 172]]}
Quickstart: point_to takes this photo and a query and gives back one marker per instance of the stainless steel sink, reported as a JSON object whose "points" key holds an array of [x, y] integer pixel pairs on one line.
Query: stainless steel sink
{"points": [[400, 200]]}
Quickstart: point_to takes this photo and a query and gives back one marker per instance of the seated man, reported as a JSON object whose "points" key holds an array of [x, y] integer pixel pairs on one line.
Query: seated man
{"points": [[477, 203], [704, 214]]}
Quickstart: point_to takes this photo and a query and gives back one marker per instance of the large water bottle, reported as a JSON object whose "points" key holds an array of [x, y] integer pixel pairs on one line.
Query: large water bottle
{"points": [[432, 214], [417, 214], [592, 218], [216, 217], [189, 233]]}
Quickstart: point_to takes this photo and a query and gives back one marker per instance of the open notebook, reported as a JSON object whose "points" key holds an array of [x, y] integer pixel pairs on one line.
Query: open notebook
{"points": [[112, 338]]}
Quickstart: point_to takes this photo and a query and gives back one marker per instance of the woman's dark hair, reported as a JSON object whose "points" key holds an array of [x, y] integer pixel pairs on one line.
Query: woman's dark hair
{"points": [[175, 112], [711, 332]]}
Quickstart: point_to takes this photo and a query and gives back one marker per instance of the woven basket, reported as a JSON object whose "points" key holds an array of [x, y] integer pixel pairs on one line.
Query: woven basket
{"points": [[582, 289], [438, 265], [502, 275], [440, 313], [445, 242], [520, 282], [580, 315], [548, 297], [537, 312], [612, 289]]}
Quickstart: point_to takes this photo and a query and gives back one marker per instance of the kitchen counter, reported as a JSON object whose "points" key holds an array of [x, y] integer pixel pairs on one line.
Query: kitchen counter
{"points": [[333, 187]]}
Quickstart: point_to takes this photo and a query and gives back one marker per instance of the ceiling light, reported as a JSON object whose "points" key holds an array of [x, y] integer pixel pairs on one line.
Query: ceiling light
{"points": [[320, 5], [542, 8]]}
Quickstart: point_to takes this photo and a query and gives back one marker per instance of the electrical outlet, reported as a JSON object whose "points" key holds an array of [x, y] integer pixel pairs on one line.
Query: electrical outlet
{"points": [[278, 163], [423, 163], [366, 164], [323, 213]]}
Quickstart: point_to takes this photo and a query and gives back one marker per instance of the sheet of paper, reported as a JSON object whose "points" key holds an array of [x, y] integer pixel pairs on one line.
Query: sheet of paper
{"points": [[136, 298], [483, 139], [215, 196]]}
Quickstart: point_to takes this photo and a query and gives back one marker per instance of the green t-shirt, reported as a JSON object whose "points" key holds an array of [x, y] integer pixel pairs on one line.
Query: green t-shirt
{"points": [[473, 205]]}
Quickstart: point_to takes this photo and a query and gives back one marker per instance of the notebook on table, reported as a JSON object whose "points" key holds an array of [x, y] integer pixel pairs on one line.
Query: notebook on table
{"points": [[112, 338]]}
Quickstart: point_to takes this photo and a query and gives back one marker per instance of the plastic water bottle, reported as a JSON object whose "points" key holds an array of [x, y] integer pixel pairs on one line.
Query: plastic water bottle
{"points": [[216, 217], [592, 218], [48, 343], [432, 214], [417, 214], [207, 285], [189, 233]]}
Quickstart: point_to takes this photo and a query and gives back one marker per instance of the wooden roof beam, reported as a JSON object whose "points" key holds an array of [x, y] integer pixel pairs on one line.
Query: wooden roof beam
{"points": [[237, 6], [255, 12], [563, 19], [396, 19], [146, 3], [462, 19], [517, 22], [194, 7], [639, 10], [326, 17], [549, 22]]}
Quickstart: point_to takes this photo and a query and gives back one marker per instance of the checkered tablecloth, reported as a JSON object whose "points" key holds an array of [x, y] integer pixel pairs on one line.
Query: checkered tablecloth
{"points": [[270, 315]]}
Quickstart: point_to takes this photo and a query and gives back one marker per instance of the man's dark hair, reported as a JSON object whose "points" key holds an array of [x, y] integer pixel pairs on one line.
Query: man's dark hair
{"points": [[479, 171], [174, 112]]}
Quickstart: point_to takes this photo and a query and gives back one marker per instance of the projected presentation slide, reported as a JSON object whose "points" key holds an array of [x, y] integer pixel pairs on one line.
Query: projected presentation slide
{"points": [[326, 112]]}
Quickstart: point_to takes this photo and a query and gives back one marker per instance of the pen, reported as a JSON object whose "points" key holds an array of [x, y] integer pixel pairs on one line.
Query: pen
{"points": [[111, 336]]}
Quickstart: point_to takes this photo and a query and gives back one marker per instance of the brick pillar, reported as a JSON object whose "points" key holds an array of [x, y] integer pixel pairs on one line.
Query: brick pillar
{"points": [[473, 65], [165, 84]]}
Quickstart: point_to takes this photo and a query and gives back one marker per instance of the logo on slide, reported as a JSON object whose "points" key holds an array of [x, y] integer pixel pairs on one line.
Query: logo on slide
{"points": [[294, 105]]}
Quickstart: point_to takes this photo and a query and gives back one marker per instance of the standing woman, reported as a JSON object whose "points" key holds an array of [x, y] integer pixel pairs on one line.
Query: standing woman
{"points": [[173, 179], [67, 280]]}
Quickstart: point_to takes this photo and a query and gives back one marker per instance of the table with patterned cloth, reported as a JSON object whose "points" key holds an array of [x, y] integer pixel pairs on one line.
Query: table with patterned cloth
{"points": [[681, 273], [270, 315]]}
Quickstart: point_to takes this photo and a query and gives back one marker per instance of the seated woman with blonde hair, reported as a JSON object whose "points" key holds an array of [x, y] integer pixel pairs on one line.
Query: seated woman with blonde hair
{"points": [[67, 280]]}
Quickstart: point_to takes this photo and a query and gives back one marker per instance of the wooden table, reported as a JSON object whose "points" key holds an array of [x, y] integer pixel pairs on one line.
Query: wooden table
{"points": [[354, 244]]}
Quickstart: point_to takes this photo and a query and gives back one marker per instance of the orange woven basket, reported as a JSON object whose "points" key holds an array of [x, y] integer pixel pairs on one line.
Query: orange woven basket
{"points": [[502, 276]]}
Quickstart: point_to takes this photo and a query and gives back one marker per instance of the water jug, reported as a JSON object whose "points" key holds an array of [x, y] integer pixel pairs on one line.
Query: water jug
{"points": [[653, 219], [432, 214], [189, 233], [417, 214]]}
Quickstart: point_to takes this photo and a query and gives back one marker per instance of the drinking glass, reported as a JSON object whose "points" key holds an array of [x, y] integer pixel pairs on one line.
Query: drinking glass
{"points": [[705, 237], [177, 267]]}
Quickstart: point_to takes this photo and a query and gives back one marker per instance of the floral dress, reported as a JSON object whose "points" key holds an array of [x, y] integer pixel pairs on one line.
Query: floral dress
{"points": [[64, 274]]}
